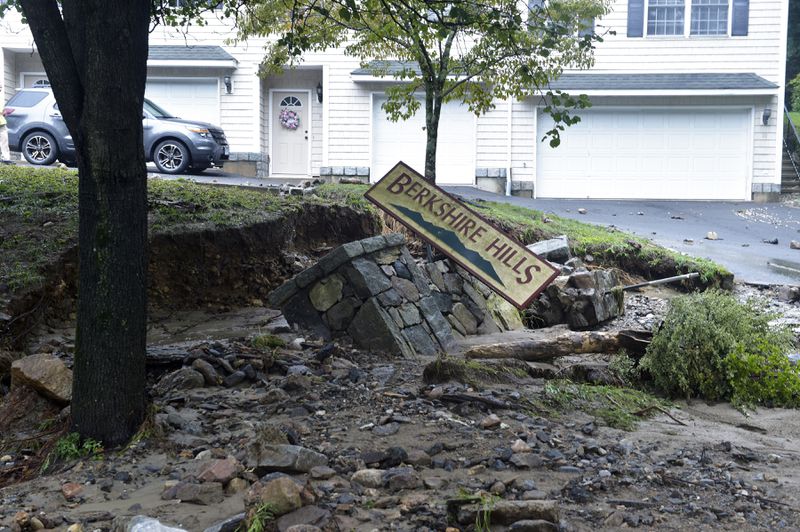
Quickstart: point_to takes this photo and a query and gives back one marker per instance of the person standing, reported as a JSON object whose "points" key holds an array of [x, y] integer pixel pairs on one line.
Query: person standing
{"points": [[5, 153]]}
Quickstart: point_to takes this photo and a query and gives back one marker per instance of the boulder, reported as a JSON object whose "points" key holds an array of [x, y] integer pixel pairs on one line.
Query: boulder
{"points": [[282, 494], [46, 374], [326, 293], [554, 250], [220, 470], [181, 379], [369, 478], [202, 494], [581, 300], [285, 458]]}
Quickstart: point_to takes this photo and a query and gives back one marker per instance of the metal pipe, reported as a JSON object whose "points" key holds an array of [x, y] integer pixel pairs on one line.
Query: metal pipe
{"points": [[656, 282]]}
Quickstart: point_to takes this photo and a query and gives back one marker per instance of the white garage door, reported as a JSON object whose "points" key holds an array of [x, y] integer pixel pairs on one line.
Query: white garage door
{"points": [[192, 99], [405, 141], [662, 153]]}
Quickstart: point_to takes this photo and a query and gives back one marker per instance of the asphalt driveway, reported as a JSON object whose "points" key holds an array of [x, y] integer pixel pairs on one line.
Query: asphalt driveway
{"points": [[683, 225]]}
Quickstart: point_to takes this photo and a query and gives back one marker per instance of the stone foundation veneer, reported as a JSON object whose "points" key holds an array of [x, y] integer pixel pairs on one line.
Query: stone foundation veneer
{"points": [[336, 173], [372, 291]]}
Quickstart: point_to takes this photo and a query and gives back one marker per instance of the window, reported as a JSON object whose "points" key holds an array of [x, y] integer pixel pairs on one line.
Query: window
{"points": [[27, 99], [291, 101], [709, 17], [665, 17], [41, 84]]}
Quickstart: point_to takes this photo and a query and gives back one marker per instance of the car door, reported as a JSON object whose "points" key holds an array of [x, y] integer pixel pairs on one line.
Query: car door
{"points": [[60, 129]]}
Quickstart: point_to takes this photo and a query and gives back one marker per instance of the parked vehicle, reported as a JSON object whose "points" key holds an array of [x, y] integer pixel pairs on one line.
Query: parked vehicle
{"points": [[37, 129]]}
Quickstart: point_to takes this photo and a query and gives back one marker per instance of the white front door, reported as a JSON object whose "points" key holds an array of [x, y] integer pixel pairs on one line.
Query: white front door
{"points": [[660, 153], [290, 133]]}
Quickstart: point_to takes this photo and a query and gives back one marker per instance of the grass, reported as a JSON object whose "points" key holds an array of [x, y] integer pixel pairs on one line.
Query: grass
{"points": [[607, 245], [70, 447], [614, 405], [39, 215], [795, 116]]}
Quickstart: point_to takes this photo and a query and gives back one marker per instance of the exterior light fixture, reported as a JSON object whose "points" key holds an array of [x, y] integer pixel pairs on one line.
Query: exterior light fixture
{"points": [[765, 115], [319, 92], [228, 85]]}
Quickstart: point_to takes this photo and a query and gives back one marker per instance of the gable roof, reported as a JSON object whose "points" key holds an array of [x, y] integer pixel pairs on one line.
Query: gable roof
{"points": [[173, 55], [593, 82]]}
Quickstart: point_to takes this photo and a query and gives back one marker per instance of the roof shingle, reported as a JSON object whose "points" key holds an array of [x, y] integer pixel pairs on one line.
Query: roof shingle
{"points": [[188, 53]]}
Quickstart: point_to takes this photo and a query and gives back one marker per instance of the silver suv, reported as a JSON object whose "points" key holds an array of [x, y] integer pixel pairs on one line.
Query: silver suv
{"points": [[36, 128]]}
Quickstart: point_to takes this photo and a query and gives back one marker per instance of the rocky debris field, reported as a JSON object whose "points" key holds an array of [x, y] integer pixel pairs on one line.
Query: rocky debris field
{"points": [[309, 435]]}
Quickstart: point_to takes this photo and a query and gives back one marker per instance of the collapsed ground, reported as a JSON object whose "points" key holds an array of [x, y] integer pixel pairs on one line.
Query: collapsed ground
{"points": [[215, 251]]}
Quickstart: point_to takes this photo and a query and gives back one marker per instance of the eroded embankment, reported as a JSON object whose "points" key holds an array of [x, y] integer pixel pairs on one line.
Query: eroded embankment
{"points": [[209, 267]]}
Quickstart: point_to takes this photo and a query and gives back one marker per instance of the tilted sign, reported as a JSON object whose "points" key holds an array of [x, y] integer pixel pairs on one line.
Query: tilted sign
{"points": [[501, 262]]}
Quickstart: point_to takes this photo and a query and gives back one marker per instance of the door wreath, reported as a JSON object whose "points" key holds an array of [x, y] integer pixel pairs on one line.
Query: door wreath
{"points": [[289, 119]]}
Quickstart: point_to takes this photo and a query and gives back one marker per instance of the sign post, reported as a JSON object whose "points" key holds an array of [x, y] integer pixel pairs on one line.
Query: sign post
{"points": [[499, 261]]}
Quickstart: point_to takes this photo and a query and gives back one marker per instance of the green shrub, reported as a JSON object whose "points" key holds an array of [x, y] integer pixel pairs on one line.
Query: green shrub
{"points": [[712, 346], [794, 88]]}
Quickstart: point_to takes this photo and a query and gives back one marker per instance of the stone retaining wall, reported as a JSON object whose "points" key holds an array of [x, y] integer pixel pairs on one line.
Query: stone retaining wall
{"points": [[372, 291]]}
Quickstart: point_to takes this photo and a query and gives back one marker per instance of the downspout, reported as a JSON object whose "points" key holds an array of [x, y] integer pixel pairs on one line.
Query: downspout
{"points": [[510, 135]]}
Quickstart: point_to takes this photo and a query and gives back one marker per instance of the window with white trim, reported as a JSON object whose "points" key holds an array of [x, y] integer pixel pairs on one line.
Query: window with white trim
{"points": [[665, 17], [709, 17], [706, 17]]}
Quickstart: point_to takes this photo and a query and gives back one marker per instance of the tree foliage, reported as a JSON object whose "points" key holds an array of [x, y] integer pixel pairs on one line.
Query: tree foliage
{"points": [[464, 50]]}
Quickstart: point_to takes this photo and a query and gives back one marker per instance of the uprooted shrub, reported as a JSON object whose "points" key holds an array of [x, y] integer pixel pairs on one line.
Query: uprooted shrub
{"points": [[714, 347]]}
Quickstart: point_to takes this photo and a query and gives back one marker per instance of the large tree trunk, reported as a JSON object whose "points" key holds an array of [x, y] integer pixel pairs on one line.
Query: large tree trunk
{"points": [[96, 60], [433, 110]]}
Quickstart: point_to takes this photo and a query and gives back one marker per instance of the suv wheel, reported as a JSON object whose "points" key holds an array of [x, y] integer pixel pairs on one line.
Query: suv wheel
{"points": [[39, 148], [171, 157]]}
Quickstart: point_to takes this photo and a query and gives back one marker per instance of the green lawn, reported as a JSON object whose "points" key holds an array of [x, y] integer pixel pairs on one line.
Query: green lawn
{"points": [[795, 116]]}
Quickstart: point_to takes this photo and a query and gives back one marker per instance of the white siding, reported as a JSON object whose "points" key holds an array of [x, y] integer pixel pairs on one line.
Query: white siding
{"points": [[759, 51], [9, 71]]}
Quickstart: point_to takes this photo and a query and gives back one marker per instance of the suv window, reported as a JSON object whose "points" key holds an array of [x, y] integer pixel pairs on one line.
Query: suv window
{"points": [[26, 99], [155, 110]]}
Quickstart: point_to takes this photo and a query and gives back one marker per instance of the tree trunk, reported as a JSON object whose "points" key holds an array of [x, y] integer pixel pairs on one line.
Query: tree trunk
{"points": [[433, 109], [96, 60]]}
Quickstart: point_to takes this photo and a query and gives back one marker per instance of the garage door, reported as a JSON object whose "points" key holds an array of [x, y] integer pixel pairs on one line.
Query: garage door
{"points": [[648, 153], [192, 99], [405, 141]]}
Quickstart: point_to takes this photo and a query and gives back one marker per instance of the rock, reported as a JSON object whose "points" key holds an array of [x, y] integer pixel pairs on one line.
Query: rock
{"points": [[367, 278], [466, 318], [554, 250], [533, 525], [208, 372], [372, 328], [44, 373], [181, 379], [340, 315], [406, 288], [220, 471], [236, 485], [71, 490], [582, 299], [141, 523], [490, 421], [712, 235], [504, 313], [326, 293], [794, 244], [231, 524], [506, 512], [773, 241], [283, 494], [285, 458], [75, 527], [202, 494], [369, 478], [388, 429], [409, 314], [307, 516], [399, 478], [237, 377], [582, 211], [520, 446], [418, 458]]}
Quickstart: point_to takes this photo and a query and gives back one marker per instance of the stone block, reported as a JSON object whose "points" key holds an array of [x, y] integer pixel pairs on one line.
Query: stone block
{"points": [[308, 276], [554, 249], [406, 288], [395, 239], [435, 275], [410, 314], [337, 170], [327, 292], [324, 170], [390, 298], [386, 256], [401, 270], [421, 341], [420, 281], [340, 255], [440, 328], [299, 311], [494, 172], [481, 172], [350, 170], [340, 315], [517, 186], [281, 294], [373, 328], [504, 313], [374, 243], [466, 318], [362, 171], [367, 278]]}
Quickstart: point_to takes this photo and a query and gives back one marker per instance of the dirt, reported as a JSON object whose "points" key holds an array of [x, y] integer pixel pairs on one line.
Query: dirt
{"points": [[708, 467]]}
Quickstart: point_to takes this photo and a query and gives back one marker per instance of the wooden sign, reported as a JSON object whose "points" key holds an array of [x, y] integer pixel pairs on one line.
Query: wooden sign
{"points": [[501, 262]]}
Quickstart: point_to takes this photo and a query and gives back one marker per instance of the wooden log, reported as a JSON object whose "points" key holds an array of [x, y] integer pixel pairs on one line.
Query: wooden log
{"points": [[564, 344]]}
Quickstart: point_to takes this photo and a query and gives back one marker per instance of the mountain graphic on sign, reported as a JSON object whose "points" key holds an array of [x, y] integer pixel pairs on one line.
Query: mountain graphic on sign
{"points": [[455, 243]]}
